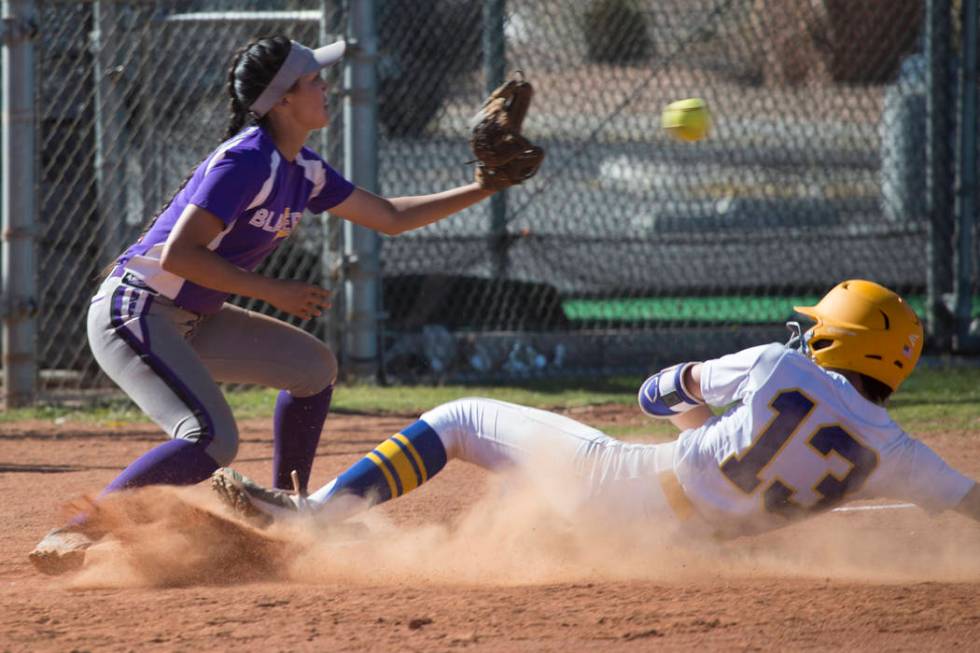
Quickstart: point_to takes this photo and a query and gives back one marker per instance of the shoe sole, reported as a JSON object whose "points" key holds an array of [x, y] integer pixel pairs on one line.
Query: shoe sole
{"points": [[236, 498], [54, 563]]}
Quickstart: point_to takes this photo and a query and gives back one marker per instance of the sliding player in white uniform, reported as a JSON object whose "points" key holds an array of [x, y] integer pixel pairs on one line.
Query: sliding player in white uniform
{"points": [[805, 432]]}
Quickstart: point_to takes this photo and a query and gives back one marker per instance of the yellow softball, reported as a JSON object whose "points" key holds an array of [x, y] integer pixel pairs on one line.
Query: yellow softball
{"points": [[688, 120]]}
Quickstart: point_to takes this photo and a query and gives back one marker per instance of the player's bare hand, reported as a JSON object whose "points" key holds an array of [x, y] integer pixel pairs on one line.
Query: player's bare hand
{"points": [[304, 300]]}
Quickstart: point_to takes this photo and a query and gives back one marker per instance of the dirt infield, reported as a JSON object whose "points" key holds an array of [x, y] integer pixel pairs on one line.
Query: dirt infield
{"points": [[459, 564]]}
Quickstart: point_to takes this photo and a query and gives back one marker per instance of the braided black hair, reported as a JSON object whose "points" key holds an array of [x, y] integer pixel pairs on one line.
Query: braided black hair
{"points": [[251, 71]]}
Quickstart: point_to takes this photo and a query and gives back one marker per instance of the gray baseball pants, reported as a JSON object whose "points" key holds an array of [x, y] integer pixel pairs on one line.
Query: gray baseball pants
{"points": [[170, 360]]}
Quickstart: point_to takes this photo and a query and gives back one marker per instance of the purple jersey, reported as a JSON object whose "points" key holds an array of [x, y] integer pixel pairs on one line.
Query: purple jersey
{"points": [[258, 195]]}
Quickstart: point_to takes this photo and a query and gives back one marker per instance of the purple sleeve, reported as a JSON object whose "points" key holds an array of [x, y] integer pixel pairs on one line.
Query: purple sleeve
{"points": [[335, 189], [231, 184]]}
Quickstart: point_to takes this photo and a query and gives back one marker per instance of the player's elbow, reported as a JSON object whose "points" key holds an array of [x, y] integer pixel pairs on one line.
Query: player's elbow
{"points": [[391, 228], [400, 215], [168, 262], [392, 224], [172, 260]]}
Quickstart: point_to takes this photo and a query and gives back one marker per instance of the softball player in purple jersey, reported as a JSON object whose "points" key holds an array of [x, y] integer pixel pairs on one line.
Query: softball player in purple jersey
{"points": [[159, 325]]}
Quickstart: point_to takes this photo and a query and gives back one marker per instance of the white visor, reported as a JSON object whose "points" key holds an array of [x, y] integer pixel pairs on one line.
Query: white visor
{"points": [[300, 61]]}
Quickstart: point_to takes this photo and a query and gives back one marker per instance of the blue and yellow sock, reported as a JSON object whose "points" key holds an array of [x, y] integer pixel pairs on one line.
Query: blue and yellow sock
{"points": [[395, 467]]}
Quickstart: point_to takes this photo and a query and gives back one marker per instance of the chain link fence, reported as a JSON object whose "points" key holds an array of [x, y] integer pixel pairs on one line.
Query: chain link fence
{"points": [[631, 249], [131, 98], [627, 250]]}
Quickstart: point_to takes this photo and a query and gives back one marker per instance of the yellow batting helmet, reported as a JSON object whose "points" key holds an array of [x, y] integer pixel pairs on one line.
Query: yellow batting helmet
{"points": [[866, 328]]}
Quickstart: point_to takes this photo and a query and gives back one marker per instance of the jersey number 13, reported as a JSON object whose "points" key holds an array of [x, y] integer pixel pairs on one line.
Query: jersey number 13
{"points": [[792, 407]]}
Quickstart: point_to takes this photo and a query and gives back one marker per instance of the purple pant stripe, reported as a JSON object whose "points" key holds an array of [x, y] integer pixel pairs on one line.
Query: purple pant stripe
{"points": [[131, 306], [157, 364], [131, 298]]}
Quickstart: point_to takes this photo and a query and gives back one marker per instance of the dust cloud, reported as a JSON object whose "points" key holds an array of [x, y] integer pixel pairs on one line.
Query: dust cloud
{"points": [[516, 538], [171, 537], [165, 536]]}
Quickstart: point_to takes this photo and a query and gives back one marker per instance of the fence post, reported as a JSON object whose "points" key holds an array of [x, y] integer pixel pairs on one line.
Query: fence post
{"points": [[110, 127], [331, 253], [362, 281], [939, 175], [965, 340], [494, 71], [19, 171]]}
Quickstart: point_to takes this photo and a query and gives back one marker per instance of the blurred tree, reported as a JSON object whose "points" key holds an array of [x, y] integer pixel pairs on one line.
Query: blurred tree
{"points": [[615, 32], [836, 40], [425, 45]]}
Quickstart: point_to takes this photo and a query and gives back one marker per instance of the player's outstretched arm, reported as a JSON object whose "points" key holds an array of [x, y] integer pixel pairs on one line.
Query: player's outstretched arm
{"points": [[400, 214], [970, 505]]}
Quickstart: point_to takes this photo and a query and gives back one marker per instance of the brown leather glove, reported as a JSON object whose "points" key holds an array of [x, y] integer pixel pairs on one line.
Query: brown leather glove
{"points": [[504, 156]]}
